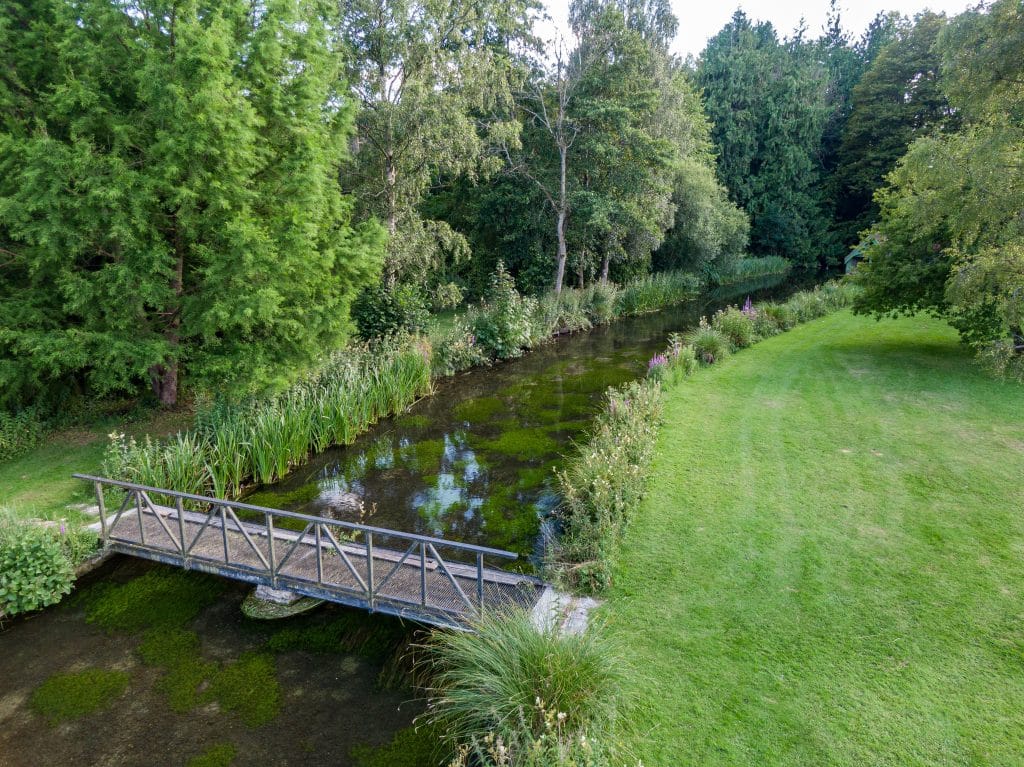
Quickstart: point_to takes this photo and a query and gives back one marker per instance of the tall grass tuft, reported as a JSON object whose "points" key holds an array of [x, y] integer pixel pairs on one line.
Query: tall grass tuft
{"points": [[505, 679], [710, 344]]}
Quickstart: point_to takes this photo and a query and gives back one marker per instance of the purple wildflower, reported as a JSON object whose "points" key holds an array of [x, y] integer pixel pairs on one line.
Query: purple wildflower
{"points": [[656, 360], [748, 308]]}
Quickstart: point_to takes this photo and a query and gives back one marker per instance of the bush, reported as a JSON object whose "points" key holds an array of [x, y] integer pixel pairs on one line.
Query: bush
{"points": [[20, 432], [384, 312], [781, 316], [736, 325], [709, 344], [447, 295], [456, 350], [600, 302], [503, 325], [35, 571], [507, 679], [602, 484]]}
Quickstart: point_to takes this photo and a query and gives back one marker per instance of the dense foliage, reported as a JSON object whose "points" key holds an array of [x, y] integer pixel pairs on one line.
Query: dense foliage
{"points": [[37, 563], [951, 223], [169, 197]]}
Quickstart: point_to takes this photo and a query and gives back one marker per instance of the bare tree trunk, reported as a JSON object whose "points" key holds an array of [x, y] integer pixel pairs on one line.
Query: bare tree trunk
{"points": [[562, 252], [560, 226], [604, 267]]}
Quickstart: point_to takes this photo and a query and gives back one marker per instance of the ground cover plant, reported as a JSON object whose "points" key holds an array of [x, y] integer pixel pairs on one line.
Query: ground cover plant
{"points": [[826, 569]]}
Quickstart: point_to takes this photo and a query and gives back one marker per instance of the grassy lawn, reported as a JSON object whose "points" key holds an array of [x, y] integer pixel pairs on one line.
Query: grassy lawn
{"points": [[39, 483], [829, 569]]}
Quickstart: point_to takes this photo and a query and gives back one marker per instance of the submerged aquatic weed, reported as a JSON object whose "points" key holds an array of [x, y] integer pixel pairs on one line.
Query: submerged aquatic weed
{"points": [[162, 597], [218, 755], [70, 695]]}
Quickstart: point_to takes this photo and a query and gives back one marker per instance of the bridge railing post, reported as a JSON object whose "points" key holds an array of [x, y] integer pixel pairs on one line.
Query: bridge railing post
{"points": [[369, 569], [271, 554], [102, 509], [179, 506], [480, 582]]}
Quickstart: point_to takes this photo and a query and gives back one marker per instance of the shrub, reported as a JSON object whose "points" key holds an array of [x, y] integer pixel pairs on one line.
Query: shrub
{"points": [[35, 571], [503, 325], [20, 432], [709, 344], [780, 315], [505, 679], [447, 295], [600, 302], [457, 350], [736, 325], [602, 484], [381, 311]]}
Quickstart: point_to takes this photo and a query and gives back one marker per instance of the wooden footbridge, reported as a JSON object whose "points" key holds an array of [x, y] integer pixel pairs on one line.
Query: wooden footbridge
{"points": [[380, 570]]}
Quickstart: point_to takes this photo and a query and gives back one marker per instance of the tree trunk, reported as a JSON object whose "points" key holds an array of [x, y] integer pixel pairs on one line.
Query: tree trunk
{"points": [[164, 376], [562, 252], [604, 267], [164, 380], [563, 207]]}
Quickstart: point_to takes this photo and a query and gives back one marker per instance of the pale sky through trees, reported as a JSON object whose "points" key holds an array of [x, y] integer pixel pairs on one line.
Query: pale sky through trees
{"points": [[700, 20]]}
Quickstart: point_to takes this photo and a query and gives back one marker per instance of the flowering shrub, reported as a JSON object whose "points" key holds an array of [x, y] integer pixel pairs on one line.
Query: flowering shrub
{"points": [[601, 486]]}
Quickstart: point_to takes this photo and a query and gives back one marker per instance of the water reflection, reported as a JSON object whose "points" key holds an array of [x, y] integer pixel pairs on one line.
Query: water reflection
{"points": [[475, 462]]}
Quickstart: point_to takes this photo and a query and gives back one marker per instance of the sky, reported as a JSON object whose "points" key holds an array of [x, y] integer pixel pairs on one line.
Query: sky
{"points": [[700, 20]]}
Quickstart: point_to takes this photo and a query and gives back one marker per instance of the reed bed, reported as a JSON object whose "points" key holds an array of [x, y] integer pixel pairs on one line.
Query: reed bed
{"points": [[655, 292], [751, 268], [260, 441]]}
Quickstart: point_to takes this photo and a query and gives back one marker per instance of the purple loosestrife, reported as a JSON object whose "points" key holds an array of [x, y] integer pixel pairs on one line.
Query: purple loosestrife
{"points": [[748, 309]]}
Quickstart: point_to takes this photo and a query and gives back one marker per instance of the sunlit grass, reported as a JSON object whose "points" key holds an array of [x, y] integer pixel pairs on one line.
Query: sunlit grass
{"points": [[828, 567]]}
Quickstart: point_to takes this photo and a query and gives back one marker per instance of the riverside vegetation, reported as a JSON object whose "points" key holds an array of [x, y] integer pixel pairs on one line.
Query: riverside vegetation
{"points": [[511, 696]]}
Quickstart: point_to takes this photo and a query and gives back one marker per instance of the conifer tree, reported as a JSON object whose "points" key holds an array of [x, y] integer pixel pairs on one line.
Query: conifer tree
{"points": [[169, 203]]}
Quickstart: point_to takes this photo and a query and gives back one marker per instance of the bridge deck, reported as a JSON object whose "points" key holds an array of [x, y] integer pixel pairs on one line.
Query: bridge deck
{"points": [[380, 570]]}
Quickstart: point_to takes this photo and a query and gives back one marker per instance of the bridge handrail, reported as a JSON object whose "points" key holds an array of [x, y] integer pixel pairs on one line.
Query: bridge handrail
{"points": [[309, 519]]}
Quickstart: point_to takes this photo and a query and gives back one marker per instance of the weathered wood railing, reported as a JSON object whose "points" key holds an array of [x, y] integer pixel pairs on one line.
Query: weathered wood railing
{"points": [[345, 562]]}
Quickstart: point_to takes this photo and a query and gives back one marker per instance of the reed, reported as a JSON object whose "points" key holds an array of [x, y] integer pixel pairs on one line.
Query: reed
{"points": [[655, 292], [751, 268], [262, 440]]}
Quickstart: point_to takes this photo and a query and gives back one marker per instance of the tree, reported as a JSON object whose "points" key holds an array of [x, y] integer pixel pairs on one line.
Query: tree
{"points": [[767, 103], [169, 203], [898, 99], [952, 212], [427, 75]]}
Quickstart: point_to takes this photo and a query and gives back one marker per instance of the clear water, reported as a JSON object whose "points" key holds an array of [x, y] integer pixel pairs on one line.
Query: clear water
{"points": [[475, 461]]}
